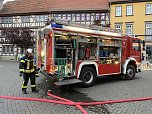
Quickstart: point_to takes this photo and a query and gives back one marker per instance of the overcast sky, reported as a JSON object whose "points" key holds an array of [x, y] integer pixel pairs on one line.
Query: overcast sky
{"points": [[7, 0]]}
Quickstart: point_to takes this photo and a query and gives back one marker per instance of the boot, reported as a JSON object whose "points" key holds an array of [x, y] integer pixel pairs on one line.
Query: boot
{"points": [[35, 90], [24, 91], [36, 75]]}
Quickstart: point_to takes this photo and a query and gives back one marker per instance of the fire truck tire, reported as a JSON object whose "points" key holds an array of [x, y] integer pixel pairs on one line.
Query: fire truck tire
{"points": [[88, 76], [130, 72]]}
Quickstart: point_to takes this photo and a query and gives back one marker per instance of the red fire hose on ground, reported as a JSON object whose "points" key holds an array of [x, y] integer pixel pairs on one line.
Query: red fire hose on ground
{"points": [[63, 99], [79, 105]]}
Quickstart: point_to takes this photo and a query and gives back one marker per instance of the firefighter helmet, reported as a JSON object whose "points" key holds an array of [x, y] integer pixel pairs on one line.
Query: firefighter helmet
{"points": [[29, 50]]}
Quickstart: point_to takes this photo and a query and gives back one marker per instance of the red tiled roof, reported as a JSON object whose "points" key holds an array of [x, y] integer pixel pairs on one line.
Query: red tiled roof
{"points": [[117, 0], [120, 1], [27, 6]]}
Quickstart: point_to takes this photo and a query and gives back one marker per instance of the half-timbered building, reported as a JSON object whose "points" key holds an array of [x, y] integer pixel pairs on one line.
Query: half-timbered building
{"points": [[35, 13]]}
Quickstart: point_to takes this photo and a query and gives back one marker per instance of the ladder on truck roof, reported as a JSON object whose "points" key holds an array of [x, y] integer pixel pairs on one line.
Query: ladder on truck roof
{"points": [[75, 24]]}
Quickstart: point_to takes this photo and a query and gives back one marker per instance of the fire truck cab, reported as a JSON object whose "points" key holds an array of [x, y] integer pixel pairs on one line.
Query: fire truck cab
{"points": [[72, 53]]}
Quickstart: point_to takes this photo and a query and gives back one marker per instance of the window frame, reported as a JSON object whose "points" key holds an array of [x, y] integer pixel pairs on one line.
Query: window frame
{"points": [[83, 17], [88, 17], [78, 17], [2, 32], [7, 49], [59, 16], [69, 17], [24, 19], [146, 9], [116, 14], [148, 34], [6, 20], [118, 24], [127, 14], [3, 49], [103, 16], [98, 16], [41, 18], [129, 24], [64, 16]]}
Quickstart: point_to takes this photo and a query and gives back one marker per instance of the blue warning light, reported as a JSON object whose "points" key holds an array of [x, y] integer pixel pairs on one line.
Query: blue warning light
{"points": [[54, 25]]}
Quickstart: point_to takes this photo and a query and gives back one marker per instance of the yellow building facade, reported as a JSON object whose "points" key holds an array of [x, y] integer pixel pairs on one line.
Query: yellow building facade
{"points": [[133, 18]]}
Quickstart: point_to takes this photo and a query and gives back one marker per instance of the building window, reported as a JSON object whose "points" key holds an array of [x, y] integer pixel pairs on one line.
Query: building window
{"points": [[149, 52], [129, 29], [7, 49], [148, 31], [118, 27], [129, 10], [77, 17], [41, 18], [59, 16], [25, 19], [6, 20], [73, 17], [12, 50], [2, 32], [118, 11], [54, 15], [64, 16], [97, 16], [103, 22], [88, 17], [83, 17], [148, 8], [103, 16], [69, 17], [3, 49]]}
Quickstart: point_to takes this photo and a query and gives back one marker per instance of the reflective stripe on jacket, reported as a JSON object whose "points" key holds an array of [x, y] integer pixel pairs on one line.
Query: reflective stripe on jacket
{"points": [[27, 65]]}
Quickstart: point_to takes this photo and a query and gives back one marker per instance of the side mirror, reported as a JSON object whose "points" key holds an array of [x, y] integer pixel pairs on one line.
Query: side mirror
{"points": [[143, 45], [139, 42]]}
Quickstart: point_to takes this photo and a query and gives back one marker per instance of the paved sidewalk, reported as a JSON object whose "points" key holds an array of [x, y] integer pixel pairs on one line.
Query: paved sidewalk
{"points": [[145, 65]]}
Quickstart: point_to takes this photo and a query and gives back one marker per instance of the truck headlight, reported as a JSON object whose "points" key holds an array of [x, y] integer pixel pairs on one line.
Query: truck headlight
{"points": [[42, 53]]}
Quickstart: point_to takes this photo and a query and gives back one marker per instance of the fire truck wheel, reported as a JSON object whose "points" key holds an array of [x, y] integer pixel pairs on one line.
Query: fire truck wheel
{"points": [[130, 72], [88, 76]]}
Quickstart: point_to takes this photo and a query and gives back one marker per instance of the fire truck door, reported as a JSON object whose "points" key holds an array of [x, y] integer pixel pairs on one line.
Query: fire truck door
{"points": [[136, 50]]}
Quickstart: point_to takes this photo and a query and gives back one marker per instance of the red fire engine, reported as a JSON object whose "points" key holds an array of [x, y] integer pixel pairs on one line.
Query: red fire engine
{"points": [[73, 53]]}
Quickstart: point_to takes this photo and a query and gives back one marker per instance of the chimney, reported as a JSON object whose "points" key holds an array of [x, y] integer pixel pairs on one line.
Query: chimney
{"points": [[1, 4]]}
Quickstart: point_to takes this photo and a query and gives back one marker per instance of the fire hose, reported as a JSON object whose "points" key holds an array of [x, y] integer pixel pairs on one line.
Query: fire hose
{"points": [[63, 99], [79, 105]]}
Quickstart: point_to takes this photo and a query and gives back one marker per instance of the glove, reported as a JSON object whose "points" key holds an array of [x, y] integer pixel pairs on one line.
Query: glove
{"points": [[36, 75], [21, 74]]}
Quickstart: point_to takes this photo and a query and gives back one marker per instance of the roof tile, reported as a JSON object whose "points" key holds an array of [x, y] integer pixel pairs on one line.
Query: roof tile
{"points": [[27, 6]]}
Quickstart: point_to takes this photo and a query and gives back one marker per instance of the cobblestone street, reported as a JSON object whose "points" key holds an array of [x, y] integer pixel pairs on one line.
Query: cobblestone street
{"points": [[10, 85], [106, 88]]}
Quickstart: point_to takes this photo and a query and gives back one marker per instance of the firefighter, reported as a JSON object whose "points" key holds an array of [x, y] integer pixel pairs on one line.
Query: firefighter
{"points": [[27, 70]]}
